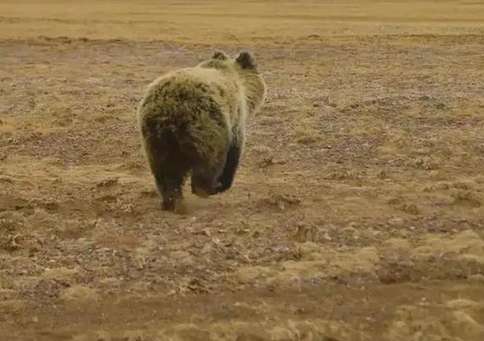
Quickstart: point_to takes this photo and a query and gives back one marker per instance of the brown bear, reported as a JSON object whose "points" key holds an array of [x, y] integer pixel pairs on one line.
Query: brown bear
{"points": [[194, 120]]}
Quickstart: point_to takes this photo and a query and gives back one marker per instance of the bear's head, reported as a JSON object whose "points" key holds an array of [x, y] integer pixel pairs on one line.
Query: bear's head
{"points": [[220, 60], [245, 67], [255, 87]]}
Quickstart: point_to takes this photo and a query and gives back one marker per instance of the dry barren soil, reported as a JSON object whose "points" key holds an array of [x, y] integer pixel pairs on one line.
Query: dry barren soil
{"points": [[358, 211]]}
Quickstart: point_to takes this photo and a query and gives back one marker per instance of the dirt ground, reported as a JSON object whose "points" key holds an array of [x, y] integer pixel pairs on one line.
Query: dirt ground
{"points": [[357, 213]]}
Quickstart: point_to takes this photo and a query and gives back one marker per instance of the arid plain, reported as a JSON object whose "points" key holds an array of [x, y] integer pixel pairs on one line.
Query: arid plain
{"points": [[358, 211]]}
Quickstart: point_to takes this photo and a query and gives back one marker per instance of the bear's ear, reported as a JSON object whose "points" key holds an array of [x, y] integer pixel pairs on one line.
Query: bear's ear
{"points": [[220, 55], [246, 60]]}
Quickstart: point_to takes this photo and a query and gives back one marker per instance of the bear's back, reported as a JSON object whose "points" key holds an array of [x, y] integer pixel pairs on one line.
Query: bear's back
{"points": [[190, 91], [221, 86]]}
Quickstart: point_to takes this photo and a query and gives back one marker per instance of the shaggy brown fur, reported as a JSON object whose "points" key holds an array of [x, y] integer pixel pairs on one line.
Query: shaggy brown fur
{"points": [[194, 119]]}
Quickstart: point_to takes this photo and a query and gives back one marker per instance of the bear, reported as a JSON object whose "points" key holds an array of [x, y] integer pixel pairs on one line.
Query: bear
{"points": [[193, 121]]}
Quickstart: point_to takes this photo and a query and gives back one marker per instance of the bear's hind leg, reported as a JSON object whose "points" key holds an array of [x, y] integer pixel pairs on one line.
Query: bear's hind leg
{"points": [[204, 182], [169, 178], [208, 157], [170, 188], [205, 179]]}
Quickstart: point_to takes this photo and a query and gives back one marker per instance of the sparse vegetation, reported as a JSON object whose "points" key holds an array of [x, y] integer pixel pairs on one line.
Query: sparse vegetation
{"points": [[356, 213]]}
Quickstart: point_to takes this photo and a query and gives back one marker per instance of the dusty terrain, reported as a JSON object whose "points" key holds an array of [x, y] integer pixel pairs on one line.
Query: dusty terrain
{"points": [[358, 213]]}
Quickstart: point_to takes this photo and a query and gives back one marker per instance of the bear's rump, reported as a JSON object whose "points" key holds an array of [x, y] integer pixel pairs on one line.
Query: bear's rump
{"points": [[186, 121]]}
